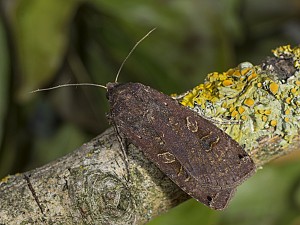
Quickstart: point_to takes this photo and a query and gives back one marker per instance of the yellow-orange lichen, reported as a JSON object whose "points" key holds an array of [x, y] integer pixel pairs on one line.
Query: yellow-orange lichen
{"points": [[273, 123], [249, 102], [274, 88], [257, 98]]}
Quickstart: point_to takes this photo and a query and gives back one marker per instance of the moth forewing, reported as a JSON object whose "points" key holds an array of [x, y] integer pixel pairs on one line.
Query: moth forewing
{"points": [[198, 156]]}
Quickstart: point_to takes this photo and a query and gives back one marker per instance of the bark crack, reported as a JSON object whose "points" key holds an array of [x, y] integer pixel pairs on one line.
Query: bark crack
{"points": [[33, 193]]}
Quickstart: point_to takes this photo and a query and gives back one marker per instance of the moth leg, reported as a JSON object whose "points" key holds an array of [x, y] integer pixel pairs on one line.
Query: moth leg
{"points": [[122, 141], [123, 146]]}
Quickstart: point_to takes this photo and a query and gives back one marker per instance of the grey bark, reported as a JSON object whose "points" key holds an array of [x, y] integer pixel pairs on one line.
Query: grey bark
{"points": [[92, 185]]}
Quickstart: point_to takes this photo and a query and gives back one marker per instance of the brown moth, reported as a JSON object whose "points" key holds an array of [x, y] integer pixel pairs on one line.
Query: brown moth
{"points": [[195, 154]]}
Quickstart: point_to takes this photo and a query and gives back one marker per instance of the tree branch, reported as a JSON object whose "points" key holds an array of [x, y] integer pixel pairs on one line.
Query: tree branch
{"points": [[89, 186], [93, 185]]}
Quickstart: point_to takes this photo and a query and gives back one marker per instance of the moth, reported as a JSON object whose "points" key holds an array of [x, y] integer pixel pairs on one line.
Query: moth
{"points": [[195, 154]]}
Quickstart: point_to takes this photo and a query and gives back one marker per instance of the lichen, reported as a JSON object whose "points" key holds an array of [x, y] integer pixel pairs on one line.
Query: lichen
{"points": [[250, 102], [5, 179]]}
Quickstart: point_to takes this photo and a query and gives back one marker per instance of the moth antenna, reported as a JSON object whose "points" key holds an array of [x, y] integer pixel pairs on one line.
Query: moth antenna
{"points": [[68, 85], [97, 85], [131, 51]]}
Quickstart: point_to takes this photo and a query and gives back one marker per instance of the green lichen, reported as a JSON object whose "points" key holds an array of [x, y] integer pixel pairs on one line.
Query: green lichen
{"points": [[5, 179], [250, 102]]}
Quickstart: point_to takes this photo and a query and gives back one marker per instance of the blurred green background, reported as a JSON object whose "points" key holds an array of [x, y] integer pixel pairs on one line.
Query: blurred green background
{"points": [[49, 42]]}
